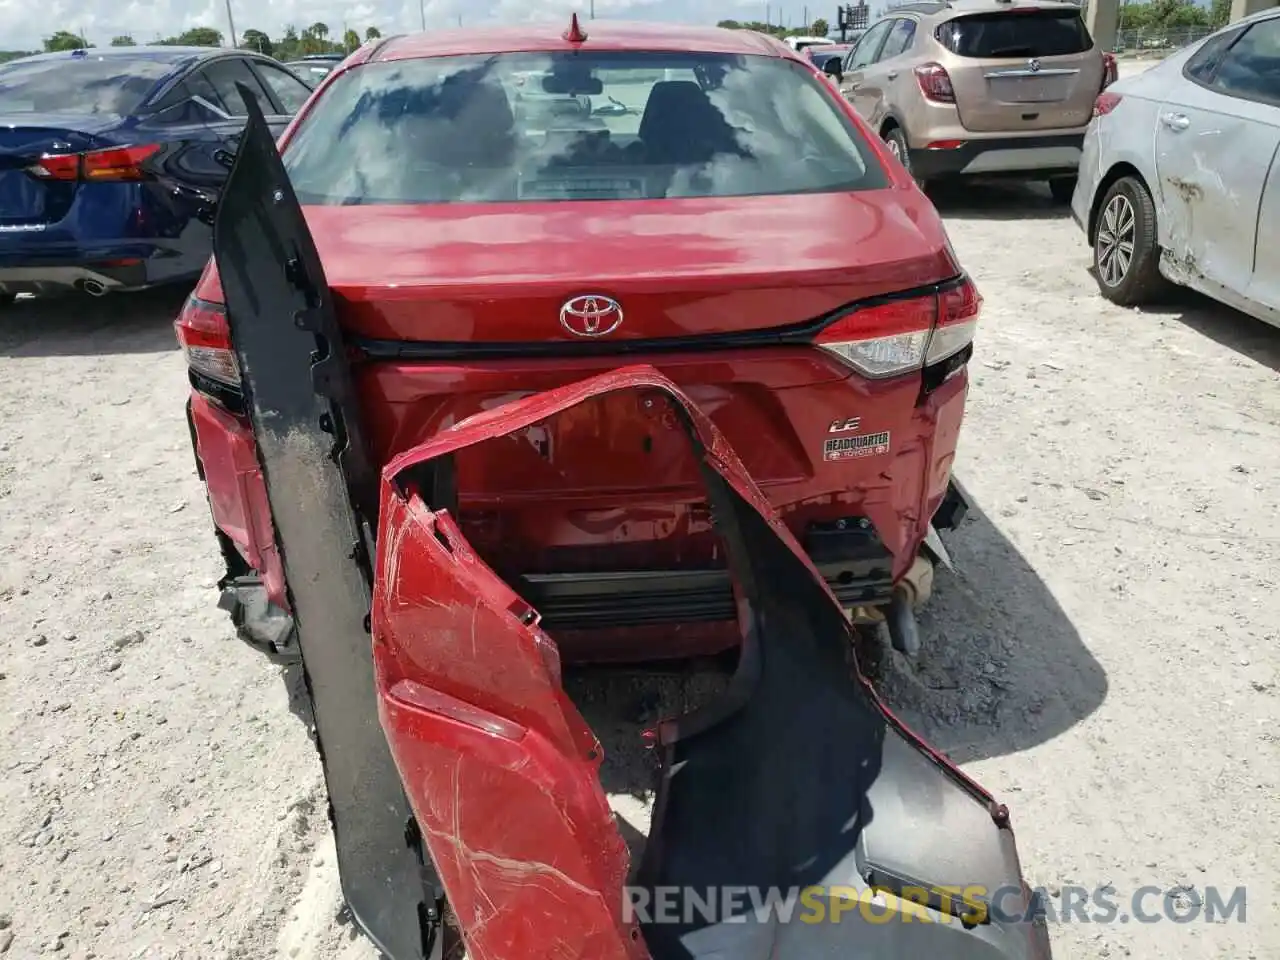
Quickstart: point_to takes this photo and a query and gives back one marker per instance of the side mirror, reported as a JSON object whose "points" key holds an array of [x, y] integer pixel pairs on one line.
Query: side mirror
{"points": [[833, 68]]}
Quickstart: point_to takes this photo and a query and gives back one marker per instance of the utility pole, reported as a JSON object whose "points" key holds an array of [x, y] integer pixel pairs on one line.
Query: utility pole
{"points": [[593, 10], [232, 24], [422, 11]]}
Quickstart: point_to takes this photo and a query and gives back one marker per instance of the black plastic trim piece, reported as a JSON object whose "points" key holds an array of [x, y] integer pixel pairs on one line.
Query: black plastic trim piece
{"points": [[322, 494], [936, 374], [224, 395]]}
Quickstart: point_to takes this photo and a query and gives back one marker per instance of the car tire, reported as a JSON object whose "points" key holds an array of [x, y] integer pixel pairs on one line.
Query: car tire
{"points": [[1062, 189], [896, 141], [1126, 257], [6, 299]]}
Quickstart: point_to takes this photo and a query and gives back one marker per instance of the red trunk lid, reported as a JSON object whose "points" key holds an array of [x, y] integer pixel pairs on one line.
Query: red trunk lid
{"points": [[500, 273]]}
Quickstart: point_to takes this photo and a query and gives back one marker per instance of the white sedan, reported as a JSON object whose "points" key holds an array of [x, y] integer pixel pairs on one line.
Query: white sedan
{"points": [[1179, 179]]}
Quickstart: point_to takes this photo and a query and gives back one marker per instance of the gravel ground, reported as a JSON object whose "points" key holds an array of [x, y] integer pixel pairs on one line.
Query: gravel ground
{"points": [[1105, 657]]}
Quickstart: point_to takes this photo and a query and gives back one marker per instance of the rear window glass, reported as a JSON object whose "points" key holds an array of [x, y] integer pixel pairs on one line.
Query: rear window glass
{"points": [[600, 126], [115, 85], [1016, 33]]}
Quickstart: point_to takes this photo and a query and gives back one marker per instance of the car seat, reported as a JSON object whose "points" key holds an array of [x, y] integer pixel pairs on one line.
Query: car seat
{"points": [[681, 126]]}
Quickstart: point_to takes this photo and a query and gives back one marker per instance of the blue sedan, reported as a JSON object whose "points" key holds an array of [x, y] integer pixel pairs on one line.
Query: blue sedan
{"points": [[112, 160]]}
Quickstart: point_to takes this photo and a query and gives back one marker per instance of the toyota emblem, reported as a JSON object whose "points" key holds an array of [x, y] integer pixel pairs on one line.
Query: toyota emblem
{"points": [[1033, 65], [591, 315]]}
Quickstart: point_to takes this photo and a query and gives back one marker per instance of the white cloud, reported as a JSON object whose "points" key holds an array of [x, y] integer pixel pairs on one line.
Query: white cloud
{"points": [[23, 24]]}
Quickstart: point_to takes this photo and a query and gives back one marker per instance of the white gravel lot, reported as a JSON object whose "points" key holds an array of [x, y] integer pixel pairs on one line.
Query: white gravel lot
{"points": [[1105, 658]]}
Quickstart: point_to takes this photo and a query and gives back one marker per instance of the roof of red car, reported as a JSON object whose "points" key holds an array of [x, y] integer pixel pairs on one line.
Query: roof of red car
{"points": [[601, 35]]}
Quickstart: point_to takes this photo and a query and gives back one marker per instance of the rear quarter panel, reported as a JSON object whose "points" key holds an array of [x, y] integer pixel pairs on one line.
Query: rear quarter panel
{"points": [[1126, 137]]}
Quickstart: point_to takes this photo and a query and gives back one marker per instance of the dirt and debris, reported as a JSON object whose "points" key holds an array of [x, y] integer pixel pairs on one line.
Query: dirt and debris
{"points": [[622, 706]]}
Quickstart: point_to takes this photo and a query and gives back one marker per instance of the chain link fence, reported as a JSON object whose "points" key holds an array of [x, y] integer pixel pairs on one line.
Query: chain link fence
{"points": [[1156, 41]]}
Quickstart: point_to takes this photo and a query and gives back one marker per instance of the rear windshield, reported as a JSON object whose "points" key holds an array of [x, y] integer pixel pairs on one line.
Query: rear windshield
{"points": [[598, 126], [1020, 32], [115, 85]]}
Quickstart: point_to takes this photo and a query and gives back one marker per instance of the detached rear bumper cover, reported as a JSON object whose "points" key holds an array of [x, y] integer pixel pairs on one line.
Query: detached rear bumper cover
{"points": [[798, 779]]}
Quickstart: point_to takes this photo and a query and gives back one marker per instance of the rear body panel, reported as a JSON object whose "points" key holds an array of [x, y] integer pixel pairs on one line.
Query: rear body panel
{"points": [[1003, 95], [451, 309], [607, 493]]}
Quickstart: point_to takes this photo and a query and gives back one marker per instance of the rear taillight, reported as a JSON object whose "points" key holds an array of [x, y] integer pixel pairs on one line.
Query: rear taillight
{"points": [[205, 339], [935, 83], [1105, 103], [902, 336], [112, 163], [1110, 70], [958, 310]]}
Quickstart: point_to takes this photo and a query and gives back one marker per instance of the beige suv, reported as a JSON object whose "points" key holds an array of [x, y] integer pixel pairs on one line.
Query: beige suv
{"points": [[979, 87]]}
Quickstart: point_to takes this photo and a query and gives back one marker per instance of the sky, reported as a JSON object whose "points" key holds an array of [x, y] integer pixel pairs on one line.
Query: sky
{"points": [[23, 23]]}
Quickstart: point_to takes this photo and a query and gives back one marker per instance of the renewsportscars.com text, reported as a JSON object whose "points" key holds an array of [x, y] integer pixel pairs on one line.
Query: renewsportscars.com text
{"points": [[968, 905]]}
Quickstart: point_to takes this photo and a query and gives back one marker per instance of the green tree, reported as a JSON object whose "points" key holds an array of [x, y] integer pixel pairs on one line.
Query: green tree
{"points": [[195, 37], [1219, 13], [1187, 15], [350, 40], [820, 28], [315, 39], [730, 24], [124, 40], [289, 46], [373, 33], [65, 40], [256, 40], [1169, 14]]}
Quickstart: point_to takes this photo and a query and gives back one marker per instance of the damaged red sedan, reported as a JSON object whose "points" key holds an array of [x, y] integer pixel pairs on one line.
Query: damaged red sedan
{"points": [[405, 409]]}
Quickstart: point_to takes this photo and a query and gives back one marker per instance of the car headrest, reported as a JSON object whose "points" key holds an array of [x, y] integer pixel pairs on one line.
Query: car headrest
{"points": [[673, 103]]}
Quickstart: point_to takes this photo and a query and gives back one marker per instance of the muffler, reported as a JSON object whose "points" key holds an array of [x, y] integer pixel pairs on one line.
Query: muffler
{"points": [[93, 287], [912, 592]]}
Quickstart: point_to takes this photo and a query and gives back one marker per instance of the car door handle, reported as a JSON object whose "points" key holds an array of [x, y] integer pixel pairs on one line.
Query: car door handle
{"points": [[1175, 121], [892, 74]]}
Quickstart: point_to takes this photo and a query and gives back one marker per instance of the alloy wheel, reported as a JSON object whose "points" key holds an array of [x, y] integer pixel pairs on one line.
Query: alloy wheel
{"points": [[1116, 235]]}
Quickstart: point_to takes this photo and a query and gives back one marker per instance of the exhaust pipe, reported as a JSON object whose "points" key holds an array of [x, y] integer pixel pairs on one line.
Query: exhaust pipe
{"points": [[95, 288], [904, 633], [900, 618]]}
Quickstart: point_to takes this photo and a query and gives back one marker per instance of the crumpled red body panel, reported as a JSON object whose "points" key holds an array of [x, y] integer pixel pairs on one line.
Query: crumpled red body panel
{"points": [[499, 766]]}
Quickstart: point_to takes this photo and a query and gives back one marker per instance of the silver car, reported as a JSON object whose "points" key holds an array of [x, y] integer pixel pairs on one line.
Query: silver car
{"points": [[1178, 180]]}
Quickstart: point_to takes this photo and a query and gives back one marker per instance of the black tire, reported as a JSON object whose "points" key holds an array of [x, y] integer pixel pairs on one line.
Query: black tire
{"points": [[6, 299], [897, 143], [1062, 188], [1127, 218]]}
